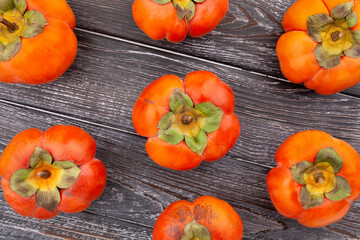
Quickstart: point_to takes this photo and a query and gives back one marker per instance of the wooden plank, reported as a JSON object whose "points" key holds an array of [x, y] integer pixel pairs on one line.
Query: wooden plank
{"points": [[246, 38], [138, 190], [98, 93], [108, 76]]}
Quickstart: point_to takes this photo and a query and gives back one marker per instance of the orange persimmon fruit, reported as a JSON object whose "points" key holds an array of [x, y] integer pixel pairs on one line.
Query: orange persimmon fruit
{"points": [[43, 173], [175, 19], [321, 46], [206, 218], [316, 178], [187, 122], [37, 41]]}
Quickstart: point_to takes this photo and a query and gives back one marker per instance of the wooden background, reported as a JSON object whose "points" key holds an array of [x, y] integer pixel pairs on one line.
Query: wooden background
{"points": [[115, 62]]}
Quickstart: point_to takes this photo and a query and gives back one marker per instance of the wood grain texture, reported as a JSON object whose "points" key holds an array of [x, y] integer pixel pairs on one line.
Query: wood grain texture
{"points": [[138, 191], [108, 76], [246, 38], [98, 93]]}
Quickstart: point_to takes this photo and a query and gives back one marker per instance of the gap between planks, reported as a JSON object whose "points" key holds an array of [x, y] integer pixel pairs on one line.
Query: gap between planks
{"points": [[120, 39], [96, 124]]}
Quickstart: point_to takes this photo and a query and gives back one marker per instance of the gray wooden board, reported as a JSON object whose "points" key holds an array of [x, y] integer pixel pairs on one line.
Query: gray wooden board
{"points": [[98, 93], [100, 89], [138, 190], [246, 37]]}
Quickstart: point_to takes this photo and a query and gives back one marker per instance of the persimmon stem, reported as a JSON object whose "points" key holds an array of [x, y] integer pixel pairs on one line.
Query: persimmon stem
{"points": [[186, 119], [11, 26], [335, 36], [319, 178], [44, 174]]}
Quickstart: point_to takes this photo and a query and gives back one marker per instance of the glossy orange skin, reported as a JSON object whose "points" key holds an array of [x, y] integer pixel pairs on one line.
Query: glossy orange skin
{"points": [[295, 50], [63, 143], [222, 221], [284, 191], [153, 104], [161, 21], [47, 56]]}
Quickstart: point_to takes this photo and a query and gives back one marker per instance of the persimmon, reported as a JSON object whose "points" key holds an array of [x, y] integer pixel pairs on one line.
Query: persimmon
{"points": [[43, 173], [187, 122], [204, 219], [37, 41], [175, 19], [316, 178], [321, 46]]}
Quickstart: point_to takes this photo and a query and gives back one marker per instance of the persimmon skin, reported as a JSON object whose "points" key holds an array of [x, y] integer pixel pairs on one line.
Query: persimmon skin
{"points": [[203, 86], [300, 64], [207, 16], [47, 56], [159, 21], [177, 157], [330, 4], [284, 191], [64, 143], [295, 50], [222, 221], [296, 16], [59, 10], [88, 187], [221, 141], [153, 103], [200, 86], [18, 152], [68, 143]]}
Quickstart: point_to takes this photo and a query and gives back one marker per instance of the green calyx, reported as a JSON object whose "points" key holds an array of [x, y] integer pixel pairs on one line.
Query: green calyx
{"points": [[15, 23], [185, 8], [334, 35], [195, 231], [43, 179], [320, 179], [188, 122]]}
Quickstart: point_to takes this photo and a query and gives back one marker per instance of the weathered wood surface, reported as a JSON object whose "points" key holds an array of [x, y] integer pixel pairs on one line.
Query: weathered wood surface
{"points": [[246, 38], [98, 93]]}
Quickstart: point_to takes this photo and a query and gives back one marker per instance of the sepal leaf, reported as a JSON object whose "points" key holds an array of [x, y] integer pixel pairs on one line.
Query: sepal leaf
{"points": [[342, 190], [330, 156], [70, 173], [198, 143], [21, 5], [194, 230], [20, 185], [325, 60], [179, 98], [39, 155], [307, 200], [356, 36], [8, 51], [162, 1], [353, 52], [352, 19], [6, 5], [48, 199], [316, 24], [171, 136], [212, 116], [186, 12], [166, 121], [35, 23], [298, 169], [342, 10]]}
